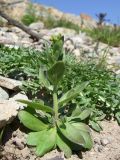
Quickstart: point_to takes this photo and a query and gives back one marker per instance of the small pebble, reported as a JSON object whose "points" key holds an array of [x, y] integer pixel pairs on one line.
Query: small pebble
{"points": [[100, 148], [97, 141], [18, 143], [104, 141]]}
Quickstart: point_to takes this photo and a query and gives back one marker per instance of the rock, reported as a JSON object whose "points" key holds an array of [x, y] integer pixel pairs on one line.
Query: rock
{"points": [[25, 152], [3, 94], [97, 140], [8, 111], [37, 26], [18, 96], [11, 36], [76, 52], [98, 148], [18, 143], [86, 17], [104, 141], [10, 83], [62, 31]]}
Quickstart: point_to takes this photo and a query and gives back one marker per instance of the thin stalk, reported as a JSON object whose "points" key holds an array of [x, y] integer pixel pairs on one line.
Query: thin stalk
{"points": [[55, 103]]}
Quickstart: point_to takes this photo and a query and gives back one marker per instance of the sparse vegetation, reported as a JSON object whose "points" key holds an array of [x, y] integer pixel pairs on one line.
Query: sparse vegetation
{"points": [[52, 23], [30, 16], [106, 34]]}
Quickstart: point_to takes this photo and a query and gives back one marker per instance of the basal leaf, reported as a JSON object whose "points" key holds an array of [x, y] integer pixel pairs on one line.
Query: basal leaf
{"points": [[47, 141], [85, 132], [37, 105], [55, 73], [81, 126], [62, 144], [31, 121], [34, 137], [71, 94], [71, 133]]}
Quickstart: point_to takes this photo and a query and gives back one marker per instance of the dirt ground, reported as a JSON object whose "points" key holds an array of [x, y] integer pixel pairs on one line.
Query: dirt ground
{"points": [[106, 145]]}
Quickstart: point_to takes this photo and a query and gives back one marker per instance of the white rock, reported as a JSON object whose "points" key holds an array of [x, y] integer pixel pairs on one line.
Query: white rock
{"points": [[10, 83], [76, 52], [37, 26], [3, 94], [19, 96], [8, 111], [62, 31]]}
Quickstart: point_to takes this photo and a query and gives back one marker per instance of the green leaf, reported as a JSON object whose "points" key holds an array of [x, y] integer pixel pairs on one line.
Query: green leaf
{"points": [[95, 126], [43, 79], [63, 146], [72, 133], [47, 141], [34, 137], [81, 126], [37, 105], [55, 73], [76, 111], [71, 94], [85, 132], [85, 114], [1, 135], [31, 121]]}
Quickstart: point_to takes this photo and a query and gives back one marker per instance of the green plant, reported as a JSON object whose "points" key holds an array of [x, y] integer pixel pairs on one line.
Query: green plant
{"points": [[1, 22], [101, 95], [106, 34], [56, 125], [30, 16]]}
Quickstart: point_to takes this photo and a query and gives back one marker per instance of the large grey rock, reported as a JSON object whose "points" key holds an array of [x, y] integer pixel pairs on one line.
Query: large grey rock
{"points": [[8, 111], [10, 83], [37, 26], [3, 94]]}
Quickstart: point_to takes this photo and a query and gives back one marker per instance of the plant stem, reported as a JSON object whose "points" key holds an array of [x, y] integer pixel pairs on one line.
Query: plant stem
{"points": [[55, 103]]}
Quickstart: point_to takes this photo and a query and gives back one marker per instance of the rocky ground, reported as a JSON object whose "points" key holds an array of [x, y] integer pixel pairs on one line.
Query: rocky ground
{"points": [[106, 145]]}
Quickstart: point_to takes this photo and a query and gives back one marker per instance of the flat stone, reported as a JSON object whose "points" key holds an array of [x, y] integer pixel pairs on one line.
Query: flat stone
{"points": [[3, 94], [10, 83], [8, 111]]}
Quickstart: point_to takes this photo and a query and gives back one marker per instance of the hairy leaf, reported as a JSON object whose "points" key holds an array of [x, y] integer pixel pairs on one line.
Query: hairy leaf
{"points": [[47, 141], [71, 94], [37, 105], [31, 121], [62, 144], [85, 132], [43, 80], [55, 73], [72, 133]]}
